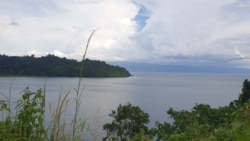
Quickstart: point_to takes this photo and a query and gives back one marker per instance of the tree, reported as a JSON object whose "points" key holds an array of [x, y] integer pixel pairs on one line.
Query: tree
{"points": [[245, 95], [128, 121], [200, 123]]}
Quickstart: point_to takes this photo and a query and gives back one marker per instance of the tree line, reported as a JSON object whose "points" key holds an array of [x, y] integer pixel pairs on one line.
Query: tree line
{"points": [[51, 65]]}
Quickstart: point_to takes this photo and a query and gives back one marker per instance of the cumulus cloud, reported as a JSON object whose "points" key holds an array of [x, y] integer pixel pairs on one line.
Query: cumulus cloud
{"points": [[194, 28], [65, 26], [160, 31]]}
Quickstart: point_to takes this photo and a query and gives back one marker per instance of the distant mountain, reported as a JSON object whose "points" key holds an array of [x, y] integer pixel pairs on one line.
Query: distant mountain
{"points": [[147, 67], [51, 65]]}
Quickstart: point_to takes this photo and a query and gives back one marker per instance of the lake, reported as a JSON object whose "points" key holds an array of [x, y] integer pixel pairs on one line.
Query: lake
{"points": [[154, 93]]}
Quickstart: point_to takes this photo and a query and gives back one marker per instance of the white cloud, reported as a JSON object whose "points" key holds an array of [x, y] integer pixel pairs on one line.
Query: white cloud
{"points": [[175, 31], [192, 28], [66, 27]]}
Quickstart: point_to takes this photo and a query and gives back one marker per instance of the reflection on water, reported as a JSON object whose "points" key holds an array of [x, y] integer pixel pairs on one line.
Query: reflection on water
{"points": [[153, 92]]}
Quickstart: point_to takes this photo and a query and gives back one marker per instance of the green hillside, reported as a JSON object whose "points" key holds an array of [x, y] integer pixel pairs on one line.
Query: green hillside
{"points": [[51, 65]]}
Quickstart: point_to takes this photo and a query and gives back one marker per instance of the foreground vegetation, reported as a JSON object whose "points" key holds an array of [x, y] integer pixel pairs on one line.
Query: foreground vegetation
{"points": [[51, 65], [201, 123]]}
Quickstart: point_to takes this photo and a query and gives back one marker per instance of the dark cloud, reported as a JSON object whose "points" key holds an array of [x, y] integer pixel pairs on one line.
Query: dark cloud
{"points": [[14, 23]]}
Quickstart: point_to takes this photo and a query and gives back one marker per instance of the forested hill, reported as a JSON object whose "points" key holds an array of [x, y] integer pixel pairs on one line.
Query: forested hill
{"points": [[51, 65]]}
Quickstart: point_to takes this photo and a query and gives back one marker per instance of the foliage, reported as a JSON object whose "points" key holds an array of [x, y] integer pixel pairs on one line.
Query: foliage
{"points": [[28, 123], [31, 126], [245, 95], [203, 123], [128, 121], [241, 123], [141, 137], [199, 123], [51, 65]]}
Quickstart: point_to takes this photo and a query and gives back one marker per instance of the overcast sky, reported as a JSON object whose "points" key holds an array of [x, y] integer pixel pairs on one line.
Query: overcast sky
{"points": [[203, 32]]}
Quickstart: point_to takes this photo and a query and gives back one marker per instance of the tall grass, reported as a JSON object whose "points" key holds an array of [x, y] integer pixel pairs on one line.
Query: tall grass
{"points": [[58, 131], [56, 127], [78, 130], [28, 122]]}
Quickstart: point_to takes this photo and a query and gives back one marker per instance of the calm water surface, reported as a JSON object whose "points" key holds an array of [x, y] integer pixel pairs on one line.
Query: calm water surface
{"points": [[153, 92]]}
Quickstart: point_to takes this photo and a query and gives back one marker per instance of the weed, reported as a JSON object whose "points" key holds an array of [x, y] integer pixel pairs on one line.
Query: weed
{"points": [[78, 130], [28, 122]]}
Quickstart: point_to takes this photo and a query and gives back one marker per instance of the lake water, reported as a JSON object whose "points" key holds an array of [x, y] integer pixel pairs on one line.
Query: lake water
{"points": [[155, 93]]}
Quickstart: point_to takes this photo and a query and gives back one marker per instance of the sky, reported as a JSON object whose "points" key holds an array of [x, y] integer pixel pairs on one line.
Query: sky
{"points": [[190, 32]]}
